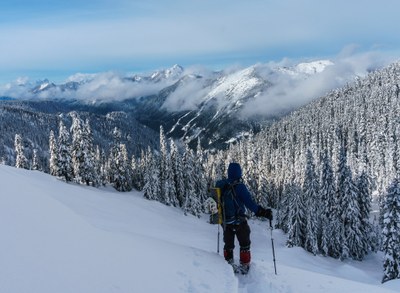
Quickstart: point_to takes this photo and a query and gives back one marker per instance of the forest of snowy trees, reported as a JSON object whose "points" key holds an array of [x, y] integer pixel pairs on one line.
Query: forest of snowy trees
{"points": [[330, 169]]}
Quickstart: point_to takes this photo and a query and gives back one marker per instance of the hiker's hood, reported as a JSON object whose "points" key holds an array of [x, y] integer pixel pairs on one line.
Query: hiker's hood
{"points": [[234, 171]]}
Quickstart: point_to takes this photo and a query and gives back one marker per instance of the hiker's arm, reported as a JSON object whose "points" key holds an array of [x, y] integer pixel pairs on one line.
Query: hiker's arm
{"points": [[245, 196]]}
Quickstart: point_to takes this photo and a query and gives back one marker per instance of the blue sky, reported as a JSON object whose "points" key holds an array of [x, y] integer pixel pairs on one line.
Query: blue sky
{"points": [[55, 39]]}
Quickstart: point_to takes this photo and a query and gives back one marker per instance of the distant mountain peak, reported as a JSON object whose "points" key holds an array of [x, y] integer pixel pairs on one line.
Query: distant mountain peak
{"points": [[314, 66], [175, 72]]}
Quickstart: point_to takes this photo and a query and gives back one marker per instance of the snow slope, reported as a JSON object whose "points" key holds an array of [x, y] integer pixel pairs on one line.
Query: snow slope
{"points": [[59, 237]]}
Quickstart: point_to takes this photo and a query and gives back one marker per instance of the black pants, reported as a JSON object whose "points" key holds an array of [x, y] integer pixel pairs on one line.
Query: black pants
{"points": [[241, 231]]}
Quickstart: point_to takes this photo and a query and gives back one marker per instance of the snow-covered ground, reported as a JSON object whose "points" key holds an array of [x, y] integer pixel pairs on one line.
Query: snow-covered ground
{"points": [[58, 237]]}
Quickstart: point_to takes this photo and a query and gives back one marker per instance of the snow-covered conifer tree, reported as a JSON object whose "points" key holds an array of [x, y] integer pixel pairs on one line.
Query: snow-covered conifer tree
{"points": [[282, 216], [364, 203], [88, 170], [263, 195], [350, 234], [177, 171], [312, 205], [53, 150], [114, 151], [35, 160], [199, 173], [64, 159], [391, 232], [82, 151], [21, 161], [139, 170], [151, 187], [296, 219], [192, 203], [137, 173], [163, 168], [97, 165], [77, 154], [119, 166], [122, 176], [391, 221], [103, 168], [329, 209]]}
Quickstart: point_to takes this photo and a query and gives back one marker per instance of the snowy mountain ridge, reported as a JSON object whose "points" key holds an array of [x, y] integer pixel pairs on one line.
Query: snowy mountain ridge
{"points": [[216, 106], [224, 80]]}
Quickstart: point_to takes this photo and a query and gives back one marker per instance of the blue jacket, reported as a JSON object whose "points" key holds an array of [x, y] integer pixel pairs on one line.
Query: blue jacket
{"points": [[235, 208]]}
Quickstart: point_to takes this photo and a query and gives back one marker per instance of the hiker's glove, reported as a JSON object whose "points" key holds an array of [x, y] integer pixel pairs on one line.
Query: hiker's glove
{"points": [[265, 213]]}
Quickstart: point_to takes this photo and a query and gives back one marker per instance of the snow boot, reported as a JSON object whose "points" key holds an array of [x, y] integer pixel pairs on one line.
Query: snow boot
{"points": [[228, 255], [245, 258]]}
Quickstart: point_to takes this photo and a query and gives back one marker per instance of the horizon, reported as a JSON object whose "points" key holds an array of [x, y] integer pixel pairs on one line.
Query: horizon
{"points": [[56, 39]]}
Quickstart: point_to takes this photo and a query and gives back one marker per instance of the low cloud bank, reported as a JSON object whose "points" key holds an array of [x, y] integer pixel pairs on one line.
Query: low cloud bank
{"points": [[289, 91], [108, 86], [287, 84]]}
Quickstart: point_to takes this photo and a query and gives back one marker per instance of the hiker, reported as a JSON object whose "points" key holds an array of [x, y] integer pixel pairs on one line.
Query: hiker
{"points": [[235, 197]]}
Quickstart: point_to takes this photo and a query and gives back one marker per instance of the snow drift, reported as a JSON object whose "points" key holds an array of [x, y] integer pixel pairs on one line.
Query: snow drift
{"points": [[59, 237]]}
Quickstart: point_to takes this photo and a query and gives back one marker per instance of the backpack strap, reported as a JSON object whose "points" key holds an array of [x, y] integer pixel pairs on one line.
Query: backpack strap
{"points": [[231, 186]]}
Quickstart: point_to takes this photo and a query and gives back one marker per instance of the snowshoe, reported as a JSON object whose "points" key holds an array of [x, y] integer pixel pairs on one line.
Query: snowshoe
{"points": [[236, 268], [244, 268], [240, 269]]}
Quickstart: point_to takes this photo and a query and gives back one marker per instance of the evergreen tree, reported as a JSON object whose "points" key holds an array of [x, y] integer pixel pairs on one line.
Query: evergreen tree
{"points": [[342, 249], [177, 171], [199, 174], [139, 170], [119, 166], [21, 161], [82, 151], [77, 152], [296, 216], [391, 232], [364, 203], [282, 217], [351, 216], [375, 237], [151, 187], [64, 158], [137, 173], [312, 204], [192, 203], [263, 195], [112, 169], [35, 160], [98, 166], [164, 169], [53, 154], [329, 211], [90, 176], [103, 168], [391, 221], [351, 234], [122, 176]]}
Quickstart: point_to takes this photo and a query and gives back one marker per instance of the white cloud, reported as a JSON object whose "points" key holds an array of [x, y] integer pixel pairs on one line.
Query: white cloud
{"points": [[188, 96], [291, 91], [287, 90], [98, 87]]}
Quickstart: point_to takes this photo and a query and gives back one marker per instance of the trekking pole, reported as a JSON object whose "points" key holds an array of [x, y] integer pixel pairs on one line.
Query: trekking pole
{"points": [[218, 240], [273, 248]]}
